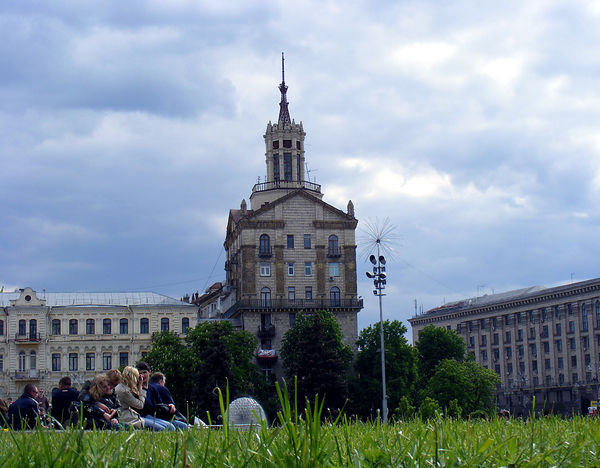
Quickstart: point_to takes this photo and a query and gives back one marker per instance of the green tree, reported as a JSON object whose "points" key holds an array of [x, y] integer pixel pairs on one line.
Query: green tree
{"points": [[400, 368], [312, 350], [470, 385], [434, 345]]}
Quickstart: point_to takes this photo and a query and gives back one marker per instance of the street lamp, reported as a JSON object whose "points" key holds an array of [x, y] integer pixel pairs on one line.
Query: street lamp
{"points": [[379, 281]]}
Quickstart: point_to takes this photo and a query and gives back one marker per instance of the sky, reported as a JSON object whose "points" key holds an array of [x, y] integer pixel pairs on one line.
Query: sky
{"points": [[129, 129]]}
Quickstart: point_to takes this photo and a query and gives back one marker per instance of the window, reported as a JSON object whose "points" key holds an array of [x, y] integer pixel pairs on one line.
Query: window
{"points": [[560, 364], [276, 144], [507, 320], [483, 340], [333, 249], [558, 329], [22, 328], [534, 366], [265, 297], [495, 339], [265, 269], [290, 241], [32, 360], [334, 269], [291, 293], [561, 380], [73, 327], [287, 164], [334, 296], [308, 293], [484, 355], [1, 327], [55, 362], [508, 352], [521, 350], [33, 329], [509, 368], [1, 362], [546, 347], [533, 349], [123, 359], [73, 358], [307, 268], [90, 326], [287, 143], [106, 326], [522, 367], [56, 327], [572, 344], [144, 326], [106, 361], [584, 318], [90, 361], [471, 341], [276, 171], [508, 337], [123, 326], [571, 326], [291, 269], [573, 361], [586, 342], [164, 324], [520, 334], [532, 333], [292, 317], [559, 345], [185, 324], [482, 324], [264, 246], [307, 242]]}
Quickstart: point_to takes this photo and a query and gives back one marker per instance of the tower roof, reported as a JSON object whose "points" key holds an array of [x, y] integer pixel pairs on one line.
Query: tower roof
{"points": [[284, 113]]}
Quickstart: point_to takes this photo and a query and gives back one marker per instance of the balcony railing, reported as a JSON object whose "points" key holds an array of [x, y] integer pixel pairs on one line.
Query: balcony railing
{"points": [[299, 304], [266, 331], [334, 252], [31, 374], [265, 251], [28, 338], [286, 184]]}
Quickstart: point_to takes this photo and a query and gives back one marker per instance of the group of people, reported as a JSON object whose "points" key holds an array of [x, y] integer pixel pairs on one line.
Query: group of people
{"points": [[134, 398]]}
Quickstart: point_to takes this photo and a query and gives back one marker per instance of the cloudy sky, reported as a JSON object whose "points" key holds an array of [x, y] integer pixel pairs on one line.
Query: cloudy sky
{"points": [[129, 129]]}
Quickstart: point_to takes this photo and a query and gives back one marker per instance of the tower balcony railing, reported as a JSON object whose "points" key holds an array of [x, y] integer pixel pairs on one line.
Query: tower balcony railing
{"points": [[334, 252], [28, 338], [286, 184], [265, 251], [299, 304], [31, 374]]}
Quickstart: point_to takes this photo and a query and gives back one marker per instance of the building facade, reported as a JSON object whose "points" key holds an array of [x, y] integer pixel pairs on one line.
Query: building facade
{"points": [[289, 252], [45, 336], [544, 343]]}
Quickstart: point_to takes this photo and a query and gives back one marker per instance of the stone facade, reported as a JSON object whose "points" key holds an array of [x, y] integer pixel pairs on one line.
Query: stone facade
{"points": [[542, 342], [290, 252], [45, 336]]}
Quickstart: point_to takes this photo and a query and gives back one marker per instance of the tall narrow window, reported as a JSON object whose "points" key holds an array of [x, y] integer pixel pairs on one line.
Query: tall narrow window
{"points": [[22, 361], [333, 249], [106, 326], [185, 324], [144, 326], [73, 358], [123, 359], [307, 268], [290, 241], [287, 166], [123, 326], [32, 360], [308, 293], [298, 168], [276, 171], [56, 327], [33, 329], [55, 362], [265, 269], [90, 361], [307, 242], [73, 327], [334, 296], [22, 327], [264, 245], [265, 297], [584, 318], [106, 361], [1, 327], [164, 324], [291, 293], [90, 326], [291, 269]]}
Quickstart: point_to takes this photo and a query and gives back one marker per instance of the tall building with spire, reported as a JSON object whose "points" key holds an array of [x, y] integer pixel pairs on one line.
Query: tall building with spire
{"points": [[289, 252]]}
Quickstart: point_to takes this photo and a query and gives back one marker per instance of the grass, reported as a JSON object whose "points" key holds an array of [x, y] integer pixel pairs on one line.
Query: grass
{"points": [[302, 440]]}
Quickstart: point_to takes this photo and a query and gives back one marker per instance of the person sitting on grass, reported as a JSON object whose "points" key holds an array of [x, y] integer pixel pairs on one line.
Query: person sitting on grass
{"points": [[153, 408], [98, 410], [24, 413], [62, 397]]}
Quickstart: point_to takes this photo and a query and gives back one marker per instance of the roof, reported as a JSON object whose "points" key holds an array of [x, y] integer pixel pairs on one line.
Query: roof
{"points": [[95, 298]]}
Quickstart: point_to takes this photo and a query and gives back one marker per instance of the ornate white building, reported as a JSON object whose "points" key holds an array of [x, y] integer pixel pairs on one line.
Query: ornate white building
{"points": [[45, 336]]}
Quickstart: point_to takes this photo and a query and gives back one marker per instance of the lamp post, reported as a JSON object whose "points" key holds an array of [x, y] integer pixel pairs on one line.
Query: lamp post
{"points": [[379, 281]]}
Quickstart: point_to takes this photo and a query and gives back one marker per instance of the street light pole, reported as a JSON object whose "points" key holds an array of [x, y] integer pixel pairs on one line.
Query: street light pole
{"points": [[379, 281]]}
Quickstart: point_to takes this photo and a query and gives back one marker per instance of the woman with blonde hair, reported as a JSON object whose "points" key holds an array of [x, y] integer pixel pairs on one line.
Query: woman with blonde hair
{"points": [[131, 396], [97, 406]]}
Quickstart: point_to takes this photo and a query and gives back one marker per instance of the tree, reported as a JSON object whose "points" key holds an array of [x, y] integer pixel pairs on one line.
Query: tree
{"points": [[400, 368], [468, 384], [434, 345], [312, 350]]}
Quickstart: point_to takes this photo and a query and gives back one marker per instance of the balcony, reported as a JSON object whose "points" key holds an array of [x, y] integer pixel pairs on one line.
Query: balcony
{"points": [[28, 338], [334, 252], [286, 184], [266, 331], [31, 374], [265, 252]]}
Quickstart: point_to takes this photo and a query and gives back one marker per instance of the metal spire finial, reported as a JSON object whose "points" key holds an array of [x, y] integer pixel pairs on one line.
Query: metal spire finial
{"points": [[284, 113]]}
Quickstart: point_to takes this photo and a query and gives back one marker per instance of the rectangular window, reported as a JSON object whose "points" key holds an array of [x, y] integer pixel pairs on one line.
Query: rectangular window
{"points": [[290, 241], [509, 368], [508, 337], [495, 339], [106, 361], [520, 334], [573, 361], [534, 365], [571, 326], [291, 269], [308, 293], [471, 341], [558, 329], [334, 269], [55, 362], [546, 347], [287, 166], [291, 293], [90, 361], [106, 326], [507, 320], [56, 327], [572, 344], [307, 241], [276, 171], [90, 326], [561, 364], [522, 367], [73, 327], [144, 326], [533, 349], [73, 358], [508, 352], [484, 355], [265, 269], [586, 342], [1, 327], [123, 326], [483, 340], [559, 345], [521, 350], [292, 317], [307, 268], [123, 359]]}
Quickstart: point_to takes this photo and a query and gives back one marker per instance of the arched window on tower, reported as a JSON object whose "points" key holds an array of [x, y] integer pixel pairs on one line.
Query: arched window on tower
{"points": [[276, 170], [264, 246], [333, 248], [334, 296]]}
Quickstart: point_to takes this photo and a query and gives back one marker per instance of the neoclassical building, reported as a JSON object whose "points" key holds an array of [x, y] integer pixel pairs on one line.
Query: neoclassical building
{"points": [[542, 342], [45, 336], [289, 251]]}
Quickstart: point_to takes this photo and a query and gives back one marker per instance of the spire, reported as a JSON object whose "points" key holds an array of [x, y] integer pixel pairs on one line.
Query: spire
{"points": [[284, 113]]}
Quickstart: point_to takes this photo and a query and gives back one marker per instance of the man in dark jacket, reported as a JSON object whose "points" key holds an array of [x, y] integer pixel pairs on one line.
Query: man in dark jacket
{"points": [[25, 412], [62, 398]]}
